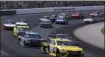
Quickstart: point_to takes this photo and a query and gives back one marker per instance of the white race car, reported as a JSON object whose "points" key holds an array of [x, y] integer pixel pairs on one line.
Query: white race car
{"points": [[9, 24], [96, 14], [44, 19], [89, 20], [22, 22]]}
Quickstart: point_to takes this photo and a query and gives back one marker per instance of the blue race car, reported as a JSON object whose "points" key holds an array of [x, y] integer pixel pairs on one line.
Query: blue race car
{"points": [[61, 20]]}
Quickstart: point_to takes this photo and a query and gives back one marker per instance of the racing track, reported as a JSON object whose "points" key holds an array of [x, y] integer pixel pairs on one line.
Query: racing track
{"points": [[9, 45]]}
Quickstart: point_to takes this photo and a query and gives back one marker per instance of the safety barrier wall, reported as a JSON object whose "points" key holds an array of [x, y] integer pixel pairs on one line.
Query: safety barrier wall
{"points": [[57, 9], [7, 12]]}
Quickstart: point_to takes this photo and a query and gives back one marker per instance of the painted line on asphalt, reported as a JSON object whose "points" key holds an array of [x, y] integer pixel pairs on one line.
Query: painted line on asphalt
{"points": [[4, 53]]}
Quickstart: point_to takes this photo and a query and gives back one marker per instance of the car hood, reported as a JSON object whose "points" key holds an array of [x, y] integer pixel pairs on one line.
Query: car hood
{"points": [[70, 48], [21, 23], [60, 20]]}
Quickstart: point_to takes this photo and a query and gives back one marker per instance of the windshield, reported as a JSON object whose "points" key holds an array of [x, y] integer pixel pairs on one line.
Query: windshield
{"points": [[65, 43], [23, 29], [62, 36], [37, 36], [61, 18]]}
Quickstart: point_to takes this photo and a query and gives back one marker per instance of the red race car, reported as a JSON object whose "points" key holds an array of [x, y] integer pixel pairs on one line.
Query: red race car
{"points": [[77, 15]]}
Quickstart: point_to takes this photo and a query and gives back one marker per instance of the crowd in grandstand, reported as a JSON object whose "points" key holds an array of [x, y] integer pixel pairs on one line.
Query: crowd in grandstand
{"points": [[41, 4]]}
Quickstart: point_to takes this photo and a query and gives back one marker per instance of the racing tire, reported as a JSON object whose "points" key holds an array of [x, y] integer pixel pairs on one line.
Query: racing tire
{"points": [[43, 49], [58, 53], [22, 44], [66, 23], [18, 40], [41, 26], [47, 50]]}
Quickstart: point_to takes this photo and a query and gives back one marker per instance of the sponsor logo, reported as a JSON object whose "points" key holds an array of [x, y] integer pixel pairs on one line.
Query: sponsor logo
{"points": [[64, 9]]}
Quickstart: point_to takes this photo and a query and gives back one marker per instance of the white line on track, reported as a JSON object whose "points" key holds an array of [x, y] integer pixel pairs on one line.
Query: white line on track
{"points": [[4, 53]]}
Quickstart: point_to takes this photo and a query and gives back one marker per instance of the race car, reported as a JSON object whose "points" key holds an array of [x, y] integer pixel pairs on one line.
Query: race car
{"points": [[30, 38], [45, 24], [17, 30], [44, 18], [62, 48], [53, 18], [96, 14], [89, 20], [77, 15], [9, 24], [61, 20], [59, 35], [65, 15], [22, 22]]}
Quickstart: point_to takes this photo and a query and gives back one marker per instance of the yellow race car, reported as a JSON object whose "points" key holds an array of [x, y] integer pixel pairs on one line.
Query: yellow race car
{"points": [[62, 48], [19, 29]]}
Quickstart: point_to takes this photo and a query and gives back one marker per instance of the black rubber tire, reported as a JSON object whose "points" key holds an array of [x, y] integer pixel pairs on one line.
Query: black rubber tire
{"points": [[43, 49], [57, 53]]}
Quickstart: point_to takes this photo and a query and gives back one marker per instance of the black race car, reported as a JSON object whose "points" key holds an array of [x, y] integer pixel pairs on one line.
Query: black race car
{"points": [[30, 38]]}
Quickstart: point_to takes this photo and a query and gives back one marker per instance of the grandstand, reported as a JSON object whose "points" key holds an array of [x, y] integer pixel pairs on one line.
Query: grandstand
{"points": [[42, 4]]}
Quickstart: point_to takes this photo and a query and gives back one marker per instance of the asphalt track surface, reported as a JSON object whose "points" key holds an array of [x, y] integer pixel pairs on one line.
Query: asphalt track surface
{"points": [[11, 47]]}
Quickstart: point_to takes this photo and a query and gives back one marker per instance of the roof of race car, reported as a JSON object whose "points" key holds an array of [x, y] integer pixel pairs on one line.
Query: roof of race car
{"points": [[19, 26], [60, 16]]}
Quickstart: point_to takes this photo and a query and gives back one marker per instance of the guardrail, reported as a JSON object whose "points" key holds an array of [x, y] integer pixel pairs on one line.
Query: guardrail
{"points": [[57, 9], [7, 12]]}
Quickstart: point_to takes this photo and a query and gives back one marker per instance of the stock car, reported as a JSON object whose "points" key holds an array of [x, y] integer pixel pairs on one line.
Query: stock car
{"points": [[77, 15], [9, 24], [62, 48], [44, 24], [22, 22], [65, 15], [59, 35], [44, 18], [96, 14], [30, 38], [89, 20], [17, 30], [53, 18], [61, 20]]}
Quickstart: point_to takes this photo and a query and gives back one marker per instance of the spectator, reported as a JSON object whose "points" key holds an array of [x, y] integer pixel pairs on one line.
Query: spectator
{"points": [[42, 4]]}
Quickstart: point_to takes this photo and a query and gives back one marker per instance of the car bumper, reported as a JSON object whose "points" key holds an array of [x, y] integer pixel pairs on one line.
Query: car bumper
{"points": [[34, 43], [8, 28], [77, 17], [93, 15], [87, 21], [60, 22], [74, 54]]}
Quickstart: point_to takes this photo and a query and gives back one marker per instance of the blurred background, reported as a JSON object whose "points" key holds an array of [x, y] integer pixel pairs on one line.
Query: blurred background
{"points": [[42, 4]]}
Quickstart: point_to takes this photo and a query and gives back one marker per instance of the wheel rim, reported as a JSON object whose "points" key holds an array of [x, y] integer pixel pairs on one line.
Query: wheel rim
{"points": [[42, 49]]}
